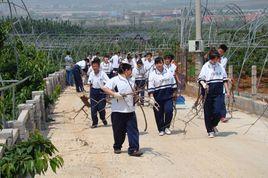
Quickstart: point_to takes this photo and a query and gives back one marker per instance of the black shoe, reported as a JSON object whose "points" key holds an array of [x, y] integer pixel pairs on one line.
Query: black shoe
{"points": [[136, 153], [105, 122], [117, 151], [94, 126]]}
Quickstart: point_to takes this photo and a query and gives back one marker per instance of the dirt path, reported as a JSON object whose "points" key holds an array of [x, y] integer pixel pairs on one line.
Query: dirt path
{"points": [[88, 152]]}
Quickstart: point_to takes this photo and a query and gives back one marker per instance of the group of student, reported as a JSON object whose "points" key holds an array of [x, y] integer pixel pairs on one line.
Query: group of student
{"points": [[124, 79]]}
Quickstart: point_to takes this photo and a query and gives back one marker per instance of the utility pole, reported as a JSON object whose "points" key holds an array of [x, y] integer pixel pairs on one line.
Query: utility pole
{"points": [[198, 36]]}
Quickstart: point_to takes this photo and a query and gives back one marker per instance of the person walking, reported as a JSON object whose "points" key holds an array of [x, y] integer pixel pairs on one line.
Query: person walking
{"points": [[139, 73], [96, 80], [69, 68], [123, 116], [106, 66], [223, 61], [79, 68], [162, 89], [213, 79], [115, 60]]}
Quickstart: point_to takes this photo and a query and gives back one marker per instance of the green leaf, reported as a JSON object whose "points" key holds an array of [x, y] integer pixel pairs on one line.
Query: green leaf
{"points": [[53, 165]]}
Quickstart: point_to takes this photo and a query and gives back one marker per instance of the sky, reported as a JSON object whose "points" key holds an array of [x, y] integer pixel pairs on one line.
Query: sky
{"points": [[135, 4]]}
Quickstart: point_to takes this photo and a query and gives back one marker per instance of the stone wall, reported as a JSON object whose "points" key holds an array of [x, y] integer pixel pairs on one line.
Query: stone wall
{"points": [[32, 113]]}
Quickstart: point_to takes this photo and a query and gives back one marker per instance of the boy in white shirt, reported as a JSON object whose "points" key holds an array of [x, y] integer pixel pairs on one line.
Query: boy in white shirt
{"points": [[139, 73], [115, 60], [106, 66], [123, 110], [96, 80], [79, 68], [223, 61]]}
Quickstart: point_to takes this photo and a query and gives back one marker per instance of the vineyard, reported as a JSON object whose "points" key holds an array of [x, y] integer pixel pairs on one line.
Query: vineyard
{"points": [[36, 48]]}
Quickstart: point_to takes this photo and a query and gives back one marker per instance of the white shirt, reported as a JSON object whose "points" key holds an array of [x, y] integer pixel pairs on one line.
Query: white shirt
{"points": [[223, 62], [139, 73], [82, 64], [115, 61], [143, 59], [90, 70], [128, 62], [124, 86], [161, 80], [98, 80], [149, 67], [134, 60], [171, 68], [93, 57], [106, 67], [212, 73], [68, 62]]}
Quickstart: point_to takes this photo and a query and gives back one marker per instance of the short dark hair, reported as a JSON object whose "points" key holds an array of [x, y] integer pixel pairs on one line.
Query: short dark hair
{"points": [[149, 54], [107, 56], [96, 60], [129, 56], [213, 54], [169, 56], [97, 53], [86, 59], [124, 67], [223, 47], [158, 60], [68, 52], [140, 62]]}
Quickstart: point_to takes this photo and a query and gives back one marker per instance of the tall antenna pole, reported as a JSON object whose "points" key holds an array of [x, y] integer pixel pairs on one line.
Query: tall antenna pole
{"points": [[198, 35]]}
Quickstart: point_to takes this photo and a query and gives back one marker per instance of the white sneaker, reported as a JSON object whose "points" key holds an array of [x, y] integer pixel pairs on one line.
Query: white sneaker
{"points": [[167, 131], [216, 131], [161, 133], [211, 135]]}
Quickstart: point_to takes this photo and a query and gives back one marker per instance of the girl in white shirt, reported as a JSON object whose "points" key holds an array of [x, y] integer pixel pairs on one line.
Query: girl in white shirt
{"points": [[213, 79]]}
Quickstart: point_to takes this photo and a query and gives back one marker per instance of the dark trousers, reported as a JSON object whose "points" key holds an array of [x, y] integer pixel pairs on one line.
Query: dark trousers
{"points": [[78, 79], [109, 74], [140, 84], [163, 117], [98, 103], [223, 111], [123, 123], [69, 77], [212, 111]]}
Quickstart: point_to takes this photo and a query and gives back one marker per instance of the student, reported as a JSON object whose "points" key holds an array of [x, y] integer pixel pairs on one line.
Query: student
{"points": [[79, 68], [135, 59], [169, 65], [123, 110], [129, 60], [96, 55], [223, 61], [162, 89], [96, 80], [148, 63], [139, 73], [106, 66], [115, 60], [213, 79], [69, 68]]}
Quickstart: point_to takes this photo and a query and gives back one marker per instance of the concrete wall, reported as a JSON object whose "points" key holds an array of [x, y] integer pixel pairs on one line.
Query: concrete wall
{"points": [[249, 104], [32, 114]]}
